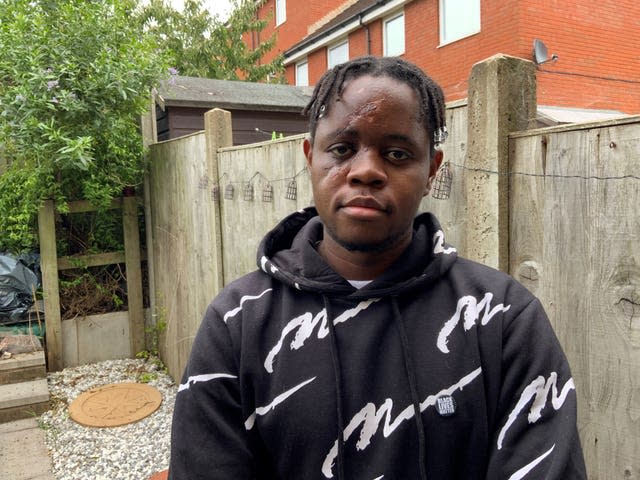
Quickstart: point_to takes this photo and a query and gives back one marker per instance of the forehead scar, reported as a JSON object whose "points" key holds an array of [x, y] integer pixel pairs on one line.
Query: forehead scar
{"points": [[368, 108]]}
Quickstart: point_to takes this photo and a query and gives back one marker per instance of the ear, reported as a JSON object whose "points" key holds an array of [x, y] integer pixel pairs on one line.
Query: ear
{"points": [[307, 147], [433, 169]]}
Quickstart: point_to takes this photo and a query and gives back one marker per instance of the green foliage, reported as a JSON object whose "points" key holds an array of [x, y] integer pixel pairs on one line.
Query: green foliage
{"points": [[153, 364], [153, 334], [201, 46], [74, 79]]}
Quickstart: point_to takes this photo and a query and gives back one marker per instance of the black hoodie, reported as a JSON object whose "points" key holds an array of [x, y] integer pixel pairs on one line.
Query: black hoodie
{"points": [[291, 359]]}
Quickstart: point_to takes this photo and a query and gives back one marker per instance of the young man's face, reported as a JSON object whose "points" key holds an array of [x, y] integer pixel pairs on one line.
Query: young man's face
{"points": [[370, 165]]}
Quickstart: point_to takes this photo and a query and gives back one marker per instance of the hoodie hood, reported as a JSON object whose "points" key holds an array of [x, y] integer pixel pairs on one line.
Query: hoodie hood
{"points": [[289, 254]]}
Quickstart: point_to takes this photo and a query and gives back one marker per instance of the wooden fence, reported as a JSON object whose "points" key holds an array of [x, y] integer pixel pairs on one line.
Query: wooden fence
{"points": [[547, 206], [575, 242], [94, 337]]}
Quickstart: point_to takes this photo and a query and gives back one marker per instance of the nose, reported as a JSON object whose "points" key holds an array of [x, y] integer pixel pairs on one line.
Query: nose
{"points": [[367, 168]]}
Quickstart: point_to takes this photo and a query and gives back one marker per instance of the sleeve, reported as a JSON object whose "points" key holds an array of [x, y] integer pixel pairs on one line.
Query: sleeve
{"points": [[208, 438], [535, 435]]}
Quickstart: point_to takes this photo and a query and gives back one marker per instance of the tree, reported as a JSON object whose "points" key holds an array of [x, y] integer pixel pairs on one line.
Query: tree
{"points": [[75, 76], [203, 46]]}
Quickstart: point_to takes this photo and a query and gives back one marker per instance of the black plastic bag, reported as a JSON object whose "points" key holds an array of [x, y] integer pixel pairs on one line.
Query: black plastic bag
{"points": [[17, 284]]}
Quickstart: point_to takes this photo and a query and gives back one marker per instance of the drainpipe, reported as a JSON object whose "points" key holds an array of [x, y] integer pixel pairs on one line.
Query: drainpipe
{"points": [[367, 36]]}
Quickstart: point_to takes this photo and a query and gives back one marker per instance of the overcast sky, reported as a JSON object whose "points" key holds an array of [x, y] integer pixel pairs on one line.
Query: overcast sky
{"points": [[220, 7]]}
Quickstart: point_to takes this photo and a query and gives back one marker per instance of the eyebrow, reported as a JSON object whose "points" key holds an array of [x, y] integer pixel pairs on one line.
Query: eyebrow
{"points": [[352, 132], [349, 132]]}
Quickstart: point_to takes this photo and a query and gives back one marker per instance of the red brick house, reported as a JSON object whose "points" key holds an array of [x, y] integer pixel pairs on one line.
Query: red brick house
{"points": [[597, 43]]}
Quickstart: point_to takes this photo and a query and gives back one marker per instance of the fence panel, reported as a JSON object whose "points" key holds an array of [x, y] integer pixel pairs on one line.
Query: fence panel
{"points": [[574, 237], [259, 172], [183, 220]]}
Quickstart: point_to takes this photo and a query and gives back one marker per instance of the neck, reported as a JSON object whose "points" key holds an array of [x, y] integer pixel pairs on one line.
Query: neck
{"points": [[359, 265]]}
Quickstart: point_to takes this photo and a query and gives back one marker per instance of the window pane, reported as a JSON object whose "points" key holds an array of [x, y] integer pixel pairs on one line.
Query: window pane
{"points": [[338, 54], [458, 19], [302, 74], [394, 36], [281, 11]]}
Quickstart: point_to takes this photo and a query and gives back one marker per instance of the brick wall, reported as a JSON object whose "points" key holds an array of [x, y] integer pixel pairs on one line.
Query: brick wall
{"points": [[597, 44], [599, 53], [300, 16]]}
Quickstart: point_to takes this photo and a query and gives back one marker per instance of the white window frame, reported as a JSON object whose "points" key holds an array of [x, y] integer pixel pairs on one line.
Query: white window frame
{"points": [[332, 48], [281, 12], [470, 9], [385, 36], [302, 82]]}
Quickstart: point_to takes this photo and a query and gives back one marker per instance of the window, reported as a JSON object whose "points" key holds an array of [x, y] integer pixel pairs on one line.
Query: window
{"points": [[302, 74], [338, 54], [458, 19], [281, 11], [394, 36]]}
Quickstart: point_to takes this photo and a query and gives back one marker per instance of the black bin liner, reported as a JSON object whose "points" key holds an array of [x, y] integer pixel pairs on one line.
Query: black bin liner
{"points": [[17, 283]]}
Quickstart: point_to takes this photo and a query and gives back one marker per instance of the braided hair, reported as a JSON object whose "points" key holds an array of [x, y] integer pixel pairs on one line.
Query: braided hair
{"points": [[331, 85]]}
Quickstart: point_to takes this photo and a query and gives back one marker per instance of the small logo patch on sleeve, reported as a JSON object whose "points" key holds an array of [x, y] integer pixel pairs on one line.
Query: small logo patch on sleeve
{"points": [[446, 405]]}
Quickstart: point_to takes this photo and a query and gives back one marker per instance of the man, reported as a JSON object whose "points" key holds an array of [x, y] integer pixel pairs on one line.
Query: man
{"points": [[363, 347]]}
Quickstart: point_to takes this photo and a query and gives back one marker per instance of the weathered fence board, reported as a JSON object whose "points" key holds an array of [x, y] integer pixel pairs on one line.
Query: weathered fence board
{"points": [[452, 212], [575, 241], [247, 217], [185, 249], [133, 270], [50, 286]]}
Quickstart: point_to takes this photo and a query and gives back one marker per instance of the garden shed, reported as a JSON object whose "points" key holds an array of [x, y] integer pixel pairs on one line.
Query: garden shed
{"points": [[257, 109]]}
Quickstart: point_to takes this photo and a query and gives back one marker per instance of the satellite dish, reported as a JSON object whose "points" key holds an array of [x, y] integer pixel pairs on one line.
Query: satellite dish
{"points": [[540, 53]]}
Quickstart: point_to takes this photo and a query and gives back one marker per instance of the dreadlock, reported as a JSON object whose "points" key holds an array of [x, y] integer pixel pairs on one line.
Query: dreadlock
{"points": [[331, 85]]}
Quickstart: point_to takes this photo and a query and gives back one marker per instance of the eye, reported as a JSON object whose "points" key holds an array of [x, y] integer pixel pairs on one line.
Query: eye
{"points": [[341, 151], [398, 156]]}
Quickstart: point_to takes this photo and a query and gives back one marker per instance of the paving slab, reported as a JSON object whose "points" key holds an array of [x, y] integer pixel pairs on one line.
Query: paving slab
{"points": [[23, 400], [24, 393], [23, 454], [22, 367]]}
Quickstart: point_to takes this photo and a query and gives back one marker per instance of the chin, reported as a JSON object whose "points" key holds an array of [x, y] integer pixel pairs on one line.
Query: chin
{"points": [[368, 244]]}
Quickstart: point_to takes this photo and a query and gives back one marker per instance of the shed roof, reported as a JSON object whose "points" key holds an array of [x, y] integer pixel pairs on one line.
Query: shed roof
{"points": [[230, 94]]}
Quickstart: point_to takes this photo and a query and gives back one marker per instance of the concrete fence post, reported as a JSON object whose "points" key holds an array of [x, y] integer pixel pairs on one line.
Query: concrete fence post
{"points": [[502, 99], [218, 134]]}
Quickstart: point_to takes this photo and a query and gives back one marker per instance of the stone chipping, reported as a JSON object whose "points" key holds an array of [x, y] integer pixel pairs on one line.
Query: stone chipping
{"points": [[130, 452]]}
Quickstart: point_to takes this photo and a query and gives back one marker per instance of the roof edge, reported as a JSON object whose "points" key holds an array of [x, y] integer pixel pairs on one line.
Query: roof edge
{"points": [[322, 37]]}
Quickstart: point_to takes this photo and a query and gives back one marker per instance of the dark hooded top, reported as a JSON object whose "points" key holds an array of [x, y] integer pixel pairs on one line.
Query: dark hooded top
{"points": [[296, 374]]}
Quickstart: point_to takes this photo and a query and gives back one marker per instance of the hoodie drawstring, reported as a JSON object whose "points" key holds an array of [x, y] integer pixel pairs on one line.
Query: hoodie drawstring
{"points": [[335, 358], [408, 365]]}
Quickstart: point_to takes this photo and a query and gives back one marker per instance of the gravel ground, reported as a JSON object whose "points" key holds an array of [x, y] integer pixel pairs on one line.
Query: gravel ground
{"points": [[130, 452]]}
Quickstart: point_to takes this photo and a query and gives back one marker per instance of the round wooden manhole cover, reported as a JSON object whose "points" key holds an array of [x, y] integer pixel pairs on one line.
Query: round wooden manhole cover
{"points": [[115, 404]]}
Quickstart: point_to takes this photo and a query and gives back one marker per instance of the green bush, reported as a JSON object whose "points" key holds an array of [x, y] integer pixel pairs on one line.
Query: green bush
{"points": [[75, 75]]}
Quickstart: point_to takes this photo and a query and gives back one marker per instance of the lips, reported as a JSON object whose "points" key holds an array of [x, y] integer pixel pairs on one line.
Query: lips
{"points": [[365, 209], [364, 202]]}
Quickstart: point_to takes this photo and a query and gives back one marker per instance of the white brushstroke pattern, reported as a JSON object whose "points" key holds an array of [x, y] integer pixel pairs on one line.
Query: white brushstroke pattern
{"points": [[370, 417], [250, 421], [207, 377], [438, 241], [538, 390], [528, 467], [472, 311], [306, 323], [235, 311]]}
